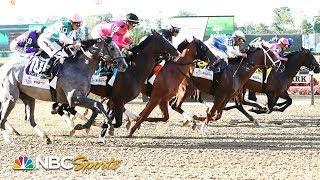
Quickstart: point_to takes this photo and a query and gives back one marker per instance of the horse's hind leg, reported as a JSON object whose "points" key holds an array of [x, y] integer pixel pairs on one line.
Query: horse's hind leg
{"points": [[29, 103], [244, 112], [144, 114], [183, 93], [287, 103], [9, 96], [11, 129], [199, 99], [118, 109], [6, 108], [164, 109]]}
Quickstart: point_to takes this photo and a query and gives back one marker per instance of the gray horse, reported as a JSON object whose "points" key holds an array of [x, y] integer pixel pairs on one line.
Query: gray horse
{"points": [[72, 87]]}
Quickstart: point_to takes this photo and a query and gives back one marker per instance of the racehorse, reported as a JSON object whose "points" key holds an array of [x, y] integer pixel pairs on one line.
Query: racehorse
{"points": [[167, 82], [279, 80], [73, 84], [232, 81], [226, 84], [128, 84], [187, 88]]}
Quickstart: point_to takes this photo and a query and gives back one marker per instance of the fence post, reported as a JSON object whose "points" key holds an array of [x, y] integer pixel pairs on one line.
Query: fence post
{"points": [[311, 87]]}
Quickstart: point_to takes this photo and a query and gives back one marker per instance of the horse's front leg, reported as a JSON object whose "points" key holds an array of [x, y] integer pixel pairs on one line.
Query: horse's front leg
{"points": [[286, 104], [95, 106], [118, 109]]}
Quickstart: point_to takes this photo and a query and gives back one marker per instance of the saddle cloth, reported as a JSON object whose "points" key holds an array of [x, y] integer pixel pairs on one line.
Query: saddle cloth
{"points": [[31, 72]]}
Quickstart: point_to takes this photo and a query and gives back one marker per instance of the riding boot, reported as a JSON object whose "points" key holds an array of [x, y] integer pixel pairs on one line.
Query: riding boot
{"points": [[103, 69], [46, 73]]}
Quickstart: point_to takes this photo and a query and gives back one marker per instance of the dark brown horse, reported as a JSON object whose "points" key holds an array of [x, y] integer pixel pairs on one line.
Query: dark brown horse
{"points": [[229, 82], [128, 84], [168, 80], [279, 81]]}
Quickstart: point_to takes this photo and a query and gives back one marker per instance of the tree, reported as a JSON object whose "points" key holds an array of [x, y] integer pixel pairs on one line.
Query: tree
{"points": [[316, 25], [255, 29], [306, 27], [137, 33], [95, 19], [283, 21]]}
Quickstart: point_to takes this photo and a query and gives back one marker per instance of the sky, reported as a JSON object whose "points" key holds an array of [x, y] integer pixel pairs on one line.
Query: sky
{"points": [[245, 11]]}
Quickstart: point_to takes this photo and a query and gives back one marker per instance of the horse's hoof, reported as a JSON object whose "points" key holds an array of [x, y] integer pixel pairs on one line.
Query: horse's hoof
{"points": [[78, 127], [256, 123], [54, 111], [194, 126], [203, 127], [16, 133], [111, 131], [102, 141], [88, 130], [48, 141], [72, 132], [103, 132], [252, 110], [185, 123], [128, 124]]}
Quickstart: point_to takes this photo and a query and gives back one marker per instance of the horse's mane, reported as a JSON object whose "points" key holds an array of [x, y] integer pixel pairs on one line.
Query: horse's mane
{"points": [[86, 44], [289, 55], [235, 60], [183, 45], [138, 48]]}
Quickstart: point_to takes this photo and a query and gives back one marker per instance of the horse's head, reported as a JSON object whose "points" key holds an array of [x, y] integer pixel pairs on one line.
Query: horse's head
{"points": [[163, 45], [183, 45], [203, 52], [159, 45], [307, 58], [104, 49]]}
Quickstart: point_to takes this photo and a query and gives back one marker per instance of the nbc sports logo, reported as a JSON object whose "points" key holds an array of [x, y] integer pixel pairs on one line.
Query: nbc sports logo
{"points": [[23, 163]]}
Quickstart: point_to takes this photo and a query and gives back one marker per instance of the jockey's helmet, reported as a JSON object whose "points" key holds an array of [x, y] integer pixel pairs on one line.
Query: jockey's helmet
{"points": [[290, 40], [174, 28], [283, 41], [76, 18], [239, 34], [132, 18]]}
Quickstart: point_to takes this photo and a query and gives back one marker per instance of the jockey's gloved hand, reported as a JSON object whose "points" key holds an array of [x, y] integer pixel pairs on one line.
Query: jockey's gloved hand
{"points": [[77, 44]]}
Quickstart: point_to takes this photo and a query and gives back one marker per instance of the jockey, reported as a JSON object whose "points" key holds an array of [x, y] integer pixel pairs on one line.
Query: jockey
{"points": [[172, 30], [279, 48], [234, 43], [225, 49], [26, 43], [118, 30], [58, 35]]}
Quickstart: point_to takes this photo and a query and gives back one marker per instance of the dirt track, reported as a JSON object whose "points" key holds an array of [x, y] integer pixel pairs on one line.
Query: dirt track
{"points": [[286, 146]]}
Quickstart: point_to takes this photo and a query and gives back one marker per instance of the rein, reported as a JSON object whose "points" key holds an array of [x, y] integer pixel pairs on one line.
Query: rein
{"points": [[89, 55], [265, 52], [265, 56], [184, 64]]}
